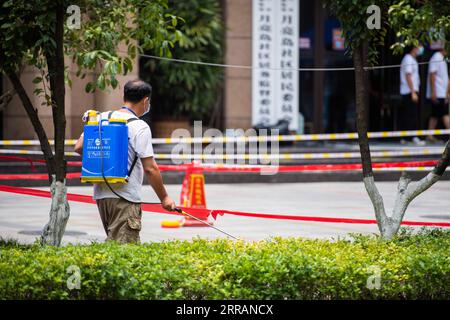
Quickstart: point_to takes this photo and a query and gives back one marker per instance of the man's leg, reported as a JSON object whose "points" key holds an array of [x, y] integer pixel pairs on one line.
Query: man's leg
{"points": [[402, 113], [446, 120], [414, 116], [432, 124], [125, 223], [443, 112], [103, 211], [413, 120], [410, 117], [402, 116]]}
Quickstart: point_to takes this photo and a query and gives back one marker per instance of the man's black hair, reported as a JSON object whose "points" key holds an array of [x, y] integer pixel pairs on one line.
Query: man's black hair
{"points": [[409, 48], [136, 90]]}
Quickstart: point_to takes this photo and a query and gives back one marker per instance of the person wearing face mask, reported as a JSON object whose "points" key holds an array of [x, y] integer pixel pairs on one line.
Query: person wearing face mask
{"points": [[438, 90], [121, 217], [408, 114]]}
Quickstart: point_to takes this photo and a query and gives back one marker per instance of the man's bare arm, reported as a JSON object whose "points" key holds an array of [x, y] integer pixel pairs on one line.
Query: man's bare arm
{"points": [[410, 82], [433, 85], [78, 148], [154, 178], [448, 89]]}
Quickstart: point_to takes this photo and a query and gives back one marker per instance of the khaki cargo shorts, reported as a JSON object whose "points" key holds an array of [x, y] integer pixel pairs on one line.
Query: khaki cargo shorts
{"points": [[121, 219]]}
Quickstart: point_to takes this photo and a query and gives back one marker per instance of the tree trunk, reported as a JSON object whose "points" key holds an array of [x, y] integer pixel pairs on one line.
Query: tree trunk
{"points": [[359, 56], [59, 214], [37, 125], [60, 210], [406, 190], [55, 63]]}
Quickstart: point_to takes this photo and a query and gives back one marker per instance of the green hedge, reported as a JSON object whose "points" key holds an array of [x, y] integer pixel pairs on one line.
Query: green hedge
{"points": [[411, 266]]}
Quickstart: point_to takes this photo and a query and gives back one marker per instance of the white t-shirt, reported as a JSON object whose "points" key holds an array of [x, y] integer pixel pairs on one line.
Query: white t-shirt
{"points": [[140, 142], [438, 65], [409, 65]]}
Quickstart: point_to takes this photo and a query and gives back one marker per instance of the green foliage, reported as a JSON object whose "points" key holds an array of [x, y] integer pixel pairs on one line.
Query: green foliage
{"points": [[413, 21], [420, 22], [187, 89], [411, 267], [131, 25], [353, 17], [27, 31]]}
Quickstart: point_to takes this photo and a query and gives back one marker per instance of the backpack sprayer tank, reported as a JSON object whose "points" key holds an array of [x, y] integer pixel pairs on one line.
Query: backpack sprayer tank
{"points": [[105, 150]]}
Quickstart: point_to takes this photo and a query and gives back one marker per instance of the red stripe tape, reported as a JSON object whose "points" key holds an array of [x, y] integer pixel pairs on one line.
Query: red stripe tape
{"points": [[36, 176], [323, 167], [21, 159], [320, 167], [298, 168], [323, 219], [206, 212], [24, 159]]}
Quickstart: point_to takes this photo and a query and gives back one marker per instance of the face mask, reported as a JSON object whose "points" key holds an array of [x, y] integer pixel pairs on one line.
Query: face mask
{"points": [[147, 110], [420, 51]]}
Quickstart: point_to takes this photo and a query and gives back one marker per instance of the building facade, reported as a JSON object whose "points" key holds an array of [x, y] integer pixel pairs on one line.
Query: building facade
{"points": [[325, 98], [15, 122]]}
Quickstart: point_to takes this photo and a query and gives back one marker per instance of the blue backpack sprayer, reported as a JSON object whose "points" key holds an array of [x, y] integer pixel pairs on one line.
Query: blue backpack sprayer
{"points": [[105, 154], [105, 150]]}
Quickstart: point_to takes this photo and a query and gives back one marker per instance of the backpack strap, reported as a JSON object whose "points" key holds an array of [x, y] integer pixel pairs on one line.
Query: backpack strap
{"points": [[132, 119], [133, 164], [136, 155]]}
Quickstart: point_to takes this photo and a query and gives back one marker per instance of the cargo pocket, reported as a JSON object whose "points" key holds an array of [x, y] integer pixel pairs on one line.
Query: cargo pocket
{"points": [[134, 221]]}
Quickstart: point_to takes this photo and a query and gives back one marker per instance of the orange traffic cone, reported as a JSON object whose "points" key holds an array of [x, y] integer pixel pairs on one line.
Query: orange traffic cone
{"points": [[193, 195]]}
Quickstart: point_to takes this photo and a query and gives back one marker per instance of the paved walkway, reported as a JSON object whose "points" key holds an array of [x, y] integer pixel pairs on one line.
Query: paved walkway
{"points": [[22, 217]]}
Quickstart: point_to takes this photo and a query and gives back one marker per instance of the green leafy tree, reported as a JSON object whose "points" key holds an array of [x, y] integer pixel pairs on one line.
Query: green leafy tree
{"points": [[41, 36], [409, 19], [189, 89], [420, 22]]}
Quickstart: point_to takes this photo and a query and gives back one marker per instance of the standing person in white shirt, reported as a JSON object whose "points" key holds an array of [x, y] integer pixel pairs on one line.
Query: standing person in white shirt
{"points": [[438, 90], [409, 90], [121, 216]]}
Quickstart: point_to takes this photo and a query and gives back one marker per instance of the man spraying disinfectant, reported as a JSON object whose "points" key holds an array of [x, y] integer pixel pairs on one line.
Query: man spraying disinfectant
{"points": [[118, 196]]}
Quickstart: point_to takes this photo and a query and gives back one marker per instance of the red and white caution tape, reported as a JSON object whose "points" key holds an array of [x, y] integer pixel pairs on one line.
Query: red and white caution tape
{"points": [[382, 166], [214, 213]]}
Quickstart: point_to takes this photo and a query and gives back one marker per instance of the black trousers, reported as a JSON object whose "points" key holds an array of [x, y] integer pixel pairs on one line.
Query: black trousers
{"points": [[408, 114], [438, 108]]}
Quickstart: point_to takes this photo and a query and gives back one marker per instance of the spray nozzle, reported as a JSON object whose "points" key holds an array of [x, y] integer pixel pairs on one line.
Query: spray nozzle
{"points": [[90, 117]]}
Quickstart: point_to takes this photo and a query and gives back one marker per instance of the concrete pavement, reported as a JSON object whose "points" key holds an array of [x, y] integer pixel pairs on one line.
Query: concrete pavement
{"points": [[22, 216]]}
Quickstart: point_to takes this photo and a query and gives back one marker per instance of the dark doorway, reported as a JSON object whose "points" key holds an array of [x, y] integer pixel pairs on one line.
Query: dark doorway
{"points": [[1, 112]]}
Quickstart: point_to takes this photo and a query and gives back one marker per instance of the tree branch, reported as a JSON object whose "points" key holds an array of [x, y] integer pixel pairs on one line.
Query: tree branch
{"points": [[408, 190], [6, 98], [443, 163], [416, 188]]}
